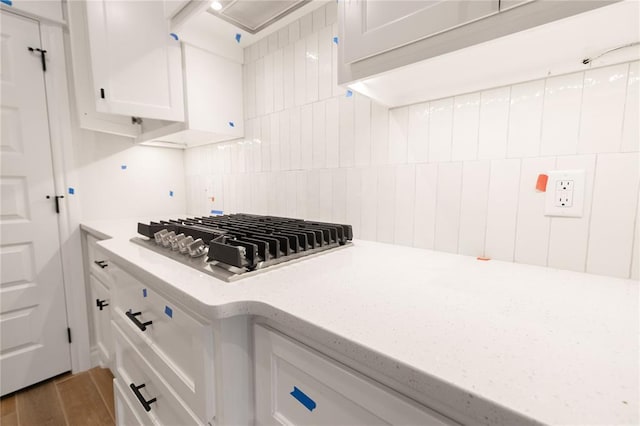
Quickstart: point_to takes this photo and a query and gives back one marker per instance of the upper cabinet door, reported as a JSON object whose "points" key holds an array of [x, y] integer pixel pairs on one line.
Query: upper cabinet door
{"points": [[376, 26], [136, 63]]}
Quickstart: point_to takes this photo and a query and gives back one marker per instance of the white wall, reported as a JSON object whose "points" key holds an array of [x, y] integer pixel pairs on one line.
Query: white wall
{"points": [[455, 175]]}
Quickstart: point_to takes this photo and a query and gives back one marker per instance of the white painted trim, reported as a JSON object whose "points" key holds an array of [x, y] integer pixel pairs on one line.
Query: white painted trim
{"points": [[60, 127]]}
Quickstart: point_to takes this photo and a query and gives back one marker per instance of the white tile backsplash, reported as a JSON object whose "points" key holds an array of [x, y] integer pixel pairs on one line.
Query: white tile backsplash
{"points": [[455, 174]]}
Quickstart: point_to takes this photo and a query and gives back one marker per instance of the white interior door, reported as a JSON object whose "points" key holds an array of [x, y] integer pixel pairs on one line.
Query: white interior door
{"points": [[33, 324]]}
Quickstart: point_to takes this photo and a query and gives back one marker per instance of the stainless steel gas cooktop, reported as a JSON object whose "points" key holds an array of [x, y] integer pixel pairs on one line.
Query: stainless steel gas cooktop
{"points": [[235, 246]]}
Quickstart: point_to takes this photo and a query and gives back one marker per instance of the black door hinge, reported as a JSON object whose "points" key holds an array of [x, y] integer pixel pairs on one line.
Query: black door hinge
{"points": [[43, 59], [69, 334]]}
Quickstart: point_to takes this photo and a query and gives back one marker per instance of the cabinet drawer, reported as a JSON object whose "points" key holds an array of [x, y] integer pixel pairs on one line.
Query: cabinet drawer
{"points": [[98, 261], [126, 414], [101, 307], [163, 406], [176, 344], [295, 385]]}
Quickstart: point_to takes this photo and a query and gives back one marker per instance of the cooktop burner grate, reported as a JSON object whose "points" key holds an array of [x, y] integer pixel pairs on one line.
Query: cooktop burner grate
{"points": [[232, 246]]}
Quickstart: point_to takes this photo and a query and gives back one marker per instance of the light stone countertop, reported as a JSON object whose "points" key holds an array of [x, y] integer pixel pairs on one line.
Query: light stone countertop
{"points": [[495, 342]]}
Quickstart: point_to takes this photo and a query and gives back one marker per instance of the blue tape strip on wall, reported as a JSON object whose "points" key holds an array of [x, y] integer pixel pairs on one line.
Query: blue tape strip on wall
{"points": [[72, 191], [303, 398], [170, 193], [238, 37], [168, 311], [174, 35], [144, 292], [7, 2], [216, 211]]}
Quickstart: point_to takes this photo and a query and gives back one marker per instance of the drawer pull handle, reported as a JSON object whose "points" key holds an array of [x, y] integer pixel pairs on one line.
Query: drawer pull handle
{"points": [[146, 404], [141, 325], [101, 303], [303, 398], [101, 263]]}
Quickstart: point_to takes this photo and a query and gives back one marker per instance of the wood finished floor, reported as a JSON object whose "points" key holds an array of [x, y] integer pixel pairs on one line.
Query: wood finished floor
{"points": [[69, 399]]}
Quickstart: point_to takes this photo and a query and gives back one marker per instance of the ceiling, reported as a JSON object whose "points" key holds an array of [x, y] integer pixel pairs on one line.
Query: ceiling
{"points": [[255, 15]]}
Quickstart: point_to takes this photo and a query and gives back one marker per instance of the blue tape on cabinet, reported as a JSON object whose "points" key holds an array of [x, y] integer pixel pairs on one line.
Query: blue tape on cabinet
{"points": [[123, 167], [7, 2], [238, 36], [175, 36], [144, 292], [303, 398], [170, 193], [72, 191], [168, 311], [335, 39], [232, 124], [349, 94]]}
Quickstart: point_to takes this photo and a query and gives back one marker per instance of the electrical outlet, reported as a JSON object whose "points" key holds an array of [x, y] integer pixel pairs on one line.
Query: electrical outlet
{"points": [[565, 193]]}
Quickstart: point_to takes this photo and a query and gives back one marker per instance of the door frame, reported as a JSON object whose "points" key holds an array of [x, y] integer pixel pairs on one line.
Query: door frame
{"points": [[61, 131]]}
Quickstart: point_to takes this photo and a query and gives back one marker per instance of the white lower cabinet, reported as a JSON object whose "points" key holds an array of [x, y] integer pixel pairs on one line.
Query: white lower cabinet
{"points": [[294, 385], [126, 413]]}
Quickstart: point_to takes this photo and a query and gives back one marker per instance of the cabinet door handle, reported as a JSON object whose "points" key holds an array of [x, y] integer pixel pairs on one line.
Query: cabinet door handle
{"points": [[101, 263], [146, 404], [141, 325], [101, 303]]}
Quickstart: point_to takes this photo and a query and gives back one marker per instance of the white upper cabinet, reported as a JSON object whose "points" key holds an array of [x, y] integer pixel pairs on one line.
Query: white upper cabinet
{"points": [[213, 101], [377, 26], [136, 62]]}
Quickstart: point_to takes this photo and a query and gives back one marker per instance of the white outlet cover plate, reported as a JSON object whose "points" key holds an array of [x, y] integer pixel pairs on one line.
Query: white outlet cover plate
{"points": [[576, 207]]}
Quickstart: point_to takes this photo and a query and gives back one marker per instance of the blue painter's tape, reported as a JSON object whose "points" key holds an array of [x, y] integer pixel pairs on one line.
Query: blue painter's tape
{"points": [[123, 167], [303, 398], [170, 193], [348, 94], [7, 2], [216, 211], [335, 39], [232, 124], [144, 292], [168, 311], [71, 191], [238, 37], [174, 35]]}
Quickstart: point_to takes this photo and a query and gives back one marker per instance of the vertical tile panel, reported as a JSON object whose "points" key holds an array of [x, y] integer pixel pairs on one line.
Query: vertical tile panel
{"points": [[260, 87], [569, 236], [362, 124], [300, 72], [532, 233], [448, 207], [337, 90], [404, 204], [466, 117], [354, 200], [265, 146], [319, 157], [635, 259], [306, 25], [294, 31], [525, 116], [283, 37], [281, 193], [291, 208], [494, 120], [273, 42], [318, 19], [440, 126], [379, 134], [324, 63], [339, 193], [272, 193], [275, 142], [346, 131], [603, 109], [301, 194], [502, 209], [285, 140], [418, 134], [294, 138], [306, 136], [312, 67], [331, 12], [313, 194], [473, 207], [256, 148], [385, 205], [252, 53], [369, 213], [561, 115], [250, 89], [631, 128], [425, 205], [278, 82], [263, 47], [398, 127], [248, 146], [325, 195], [332, 132], [288, 79], [268, 83], [612, 220], [262, 193]]}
